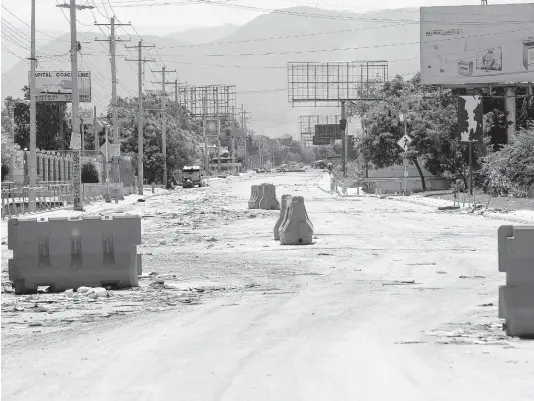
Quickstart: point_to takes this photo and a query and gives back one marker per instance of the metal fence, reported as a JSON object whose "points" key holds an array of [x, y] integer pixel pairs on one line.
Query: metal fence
{"points": [[16, 198]]}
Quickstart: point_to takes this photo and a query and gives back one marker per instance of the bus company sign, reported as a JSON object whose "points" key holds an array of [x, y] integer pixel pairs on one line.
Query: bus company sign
{"points": [[56, 86]]}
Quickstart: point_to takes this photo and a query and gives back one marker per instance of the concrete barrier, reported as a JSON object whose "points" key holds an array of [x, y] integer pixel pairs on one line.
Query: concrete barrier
{"points": [[516, 298], [296, 229], [268, 199], [253, 202], [68, 253], [283, 209]]}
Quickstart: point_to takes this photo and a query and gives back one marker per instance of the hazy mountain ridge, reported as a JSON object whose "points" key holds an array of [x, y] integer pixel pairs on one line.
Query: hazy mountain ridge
{"points": [[203, 35], [253, 64]]}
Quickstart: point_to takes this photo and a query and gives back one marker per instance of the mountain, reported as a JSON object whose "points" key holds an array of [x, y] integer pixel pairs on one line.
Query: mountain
{"points": [[203, 35], [254, 58]]}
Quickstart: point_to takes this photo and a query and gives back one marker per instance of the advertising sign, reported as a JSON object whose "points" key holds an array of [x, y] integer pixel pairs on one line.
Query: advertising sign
{"points": [[56, 86], [470, 119], [477, 44], [86, 115], [328, 131], [320, 141], [75, 141]]}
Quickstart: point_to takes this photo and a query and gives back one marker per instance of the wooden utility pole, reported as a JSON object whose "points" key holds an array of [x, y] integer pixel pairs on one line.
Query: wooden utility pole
{"points": [[140, 73], [95, 128], [112, 51], [75, 136], [163, 124], [115, 123], [32, 162]]}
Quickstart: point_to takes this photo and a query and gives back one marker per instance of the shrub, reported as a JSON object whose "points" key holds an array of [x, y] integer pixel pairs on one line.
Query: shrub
{"points": [[511, 170], [89, 174]]}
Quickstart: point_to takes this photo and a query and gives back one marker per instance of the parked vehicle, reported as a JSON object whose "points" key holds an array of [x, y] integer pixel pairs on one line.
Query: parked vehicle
{"points": [[191, 176]]}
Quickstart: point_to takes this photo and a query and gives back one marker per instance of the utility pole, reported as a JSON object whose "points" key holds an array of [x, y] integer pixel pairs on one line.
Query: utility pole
{"points": [[95, 128], [32, 162], [343, 128], [233, 133], [75, 136], [163, 124], [115, 124], [140, 73], [204, 122], [112, 50]]}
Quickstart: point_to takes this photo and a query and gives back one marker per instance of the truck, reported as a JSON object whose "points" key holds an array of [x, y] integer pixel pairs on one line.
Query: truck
{"points": [[191, 176]]}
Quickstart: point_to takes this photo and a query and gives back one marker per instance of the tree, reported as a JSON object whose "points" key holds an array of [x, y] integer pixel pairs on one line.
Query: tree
{"points": [[8, 146], [308, 156], [181, 144], [89, 174], [511, 170], [432, 123]]}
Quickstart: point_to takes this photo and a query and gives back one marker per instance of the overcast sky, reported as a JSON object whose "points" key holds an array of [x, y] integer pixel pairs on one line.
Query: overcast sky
{"points": [[182, 15]]}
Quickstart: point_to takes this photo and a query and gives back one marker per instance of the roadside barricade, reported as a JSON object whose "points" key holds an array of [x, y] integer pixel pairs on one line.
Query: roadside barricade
{"points": [[516, 298], [65, 253], [268, 199], [253, 202], [296, 229], [283, 209]]}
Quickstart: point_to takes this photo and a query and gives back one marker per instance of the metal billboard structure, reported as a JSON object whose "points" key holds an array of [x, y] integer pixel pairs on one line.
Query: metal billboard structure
{"points": [[208, 101], [328, 84], [332, 84], [307, 128], [477, 45]]}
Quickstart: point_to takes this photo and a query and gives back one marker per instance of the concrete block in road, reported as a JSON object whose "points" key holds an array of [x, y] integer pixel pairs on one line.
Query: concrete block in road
{"points": [[516, 253], [283, 214], [253, 202], [297, 228], [516, 306], [516, 259], [68, 253], [268, 199]]}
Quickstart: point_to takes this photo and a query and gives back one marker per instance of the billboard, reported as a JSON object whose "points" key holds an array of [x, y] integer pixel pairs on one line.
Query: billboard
{"points": [[327, 131], [56, 86], [477, 44], [320, 141], [470, 119]]}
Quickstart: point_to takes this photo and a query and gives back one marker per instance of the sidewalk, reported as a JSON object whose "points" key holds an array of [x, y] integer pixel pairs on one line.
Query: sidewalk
{"points": [[90, 208], [515, 216]]}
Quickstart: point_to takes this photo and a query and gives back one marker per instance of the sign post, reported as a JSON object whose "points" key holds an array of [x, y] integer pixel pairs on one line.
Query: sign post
{"points": [[404, 142]]}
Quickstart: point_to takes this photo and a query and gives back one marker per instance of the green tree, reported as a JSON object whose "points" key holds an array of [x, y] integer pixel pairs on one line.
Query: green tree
{"points": [[432, 123], [47, 123], [181, 144], [511, 170], [7, 146], [89, 174]]}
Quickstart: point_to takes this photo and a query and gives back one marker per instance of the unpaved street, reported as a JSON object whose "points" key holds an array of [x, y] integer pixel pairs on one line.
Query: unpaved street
{"points": [[393, 301]]}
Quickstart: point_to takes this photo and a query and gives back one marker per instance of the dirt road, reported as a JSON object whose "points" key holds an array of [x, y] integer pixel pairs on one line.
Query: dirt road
{"points": [[393, 301]]}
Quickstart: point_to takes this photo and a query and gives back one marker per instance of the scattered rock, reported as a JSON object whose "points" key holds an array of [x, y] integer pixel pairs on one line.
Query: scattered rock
{"points": [[324, 254], [140, 200], [69, 293], [43, 289], [472, 277], [83, 290], [213, 239], [489, 304]]}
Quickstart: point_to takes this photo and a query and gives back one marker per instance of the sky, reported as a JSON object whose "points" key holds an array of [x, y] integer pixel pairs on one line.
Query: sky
{"points": [[148, 18]]}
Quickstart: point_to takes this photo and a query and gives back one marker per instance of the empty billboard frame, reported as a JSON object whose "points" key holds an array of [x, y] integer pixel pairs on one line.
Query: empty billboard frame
{"points": [[210, 101], [326, 84]]}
